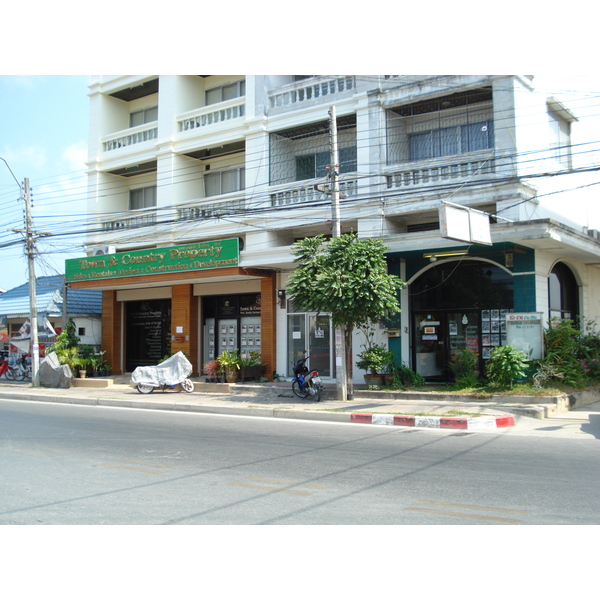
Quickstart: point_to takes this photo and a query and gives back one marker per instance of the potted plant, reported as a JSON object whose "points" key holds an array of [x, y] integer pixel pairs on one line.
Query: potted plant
{"points": [[81, 365], [230, 363], [373, 360], [212, 369], [251, 366]]}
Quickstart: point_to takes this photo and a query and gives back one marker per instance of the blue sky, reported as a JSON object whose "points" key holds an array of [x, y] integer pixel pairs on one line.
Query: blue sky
{"points": [[43, 136]]}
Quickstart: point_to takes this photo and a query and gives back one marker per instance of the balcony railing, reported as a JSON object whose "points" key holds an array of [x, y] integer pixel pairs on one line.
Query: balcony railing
{"points": [[132, 222], [471, 170], [307, 90], [135, 135], [206, 210], [308, 193], [212, 114]]}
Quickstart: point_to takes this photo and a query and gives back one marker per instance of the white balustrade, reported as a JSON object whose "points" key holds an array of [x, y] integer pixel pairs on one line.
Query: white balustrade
{"points": [[323, 88], [470, 170], [135, 135], [308, 193], [212, 114]]}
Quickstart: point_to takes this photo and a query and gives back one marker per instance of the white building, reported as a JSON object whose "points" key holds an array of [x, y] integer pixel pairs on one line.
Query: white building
{"points": [[178, 164]]}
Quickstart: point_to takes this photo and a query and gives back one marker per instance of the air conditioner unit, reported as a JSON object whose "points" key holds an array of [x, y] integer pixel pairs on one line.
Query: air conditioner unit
{"points": [[104, 250]]}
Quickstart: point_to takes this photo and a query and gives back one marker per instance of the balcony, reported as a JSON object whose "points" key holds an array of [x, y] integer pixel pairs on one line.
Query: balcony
{"points": [[466, 170], [130, 137], [210, 209], [130, 222], [307, 91], [308, 193], [212, 114]]}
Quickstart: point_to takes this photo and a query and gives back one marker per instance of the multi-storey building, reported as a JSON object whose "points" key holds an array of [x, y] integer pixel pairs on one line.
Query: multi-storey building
{"points": [[200, 184]]}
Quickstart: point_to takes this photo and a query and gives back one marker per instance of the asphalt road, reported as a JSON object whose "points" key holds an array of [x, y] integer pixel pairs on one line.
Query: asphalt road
{"points": [[80, 465]]}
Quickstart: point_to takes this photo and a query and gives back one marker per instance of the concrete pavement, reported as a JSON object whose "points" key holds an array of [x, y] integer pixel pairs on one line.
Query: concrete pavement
{"points": [[408, 409]]}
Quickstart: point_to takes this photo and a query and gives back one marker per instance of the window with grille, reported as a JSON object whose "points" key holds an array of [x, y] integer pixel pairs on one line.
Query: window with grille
{"points": [[309, 166], [226, 92], [448, 141], [142, 198], [141, 117], [224, 182]]}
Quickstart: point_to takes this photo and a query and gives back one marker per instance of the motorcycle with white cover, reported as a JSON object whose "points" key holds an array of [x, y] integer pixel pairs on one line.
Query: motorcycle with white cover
{"points": [[167, 375]]}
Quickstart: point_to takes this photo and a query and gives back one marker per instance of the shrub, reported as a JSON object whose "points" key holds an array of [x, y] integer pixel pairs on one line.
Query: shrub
{"points": [[506, 365], [465, 369]]}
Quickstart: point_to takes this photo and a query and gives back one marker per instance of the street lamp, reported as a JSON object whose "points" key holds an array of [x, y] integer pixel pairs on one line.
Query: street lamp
{"points": [[35, 348]]}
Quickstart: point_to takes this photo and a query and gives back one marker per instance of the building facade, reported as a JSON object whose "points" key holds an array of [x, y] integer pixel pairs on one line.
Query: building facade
{"points": [[199, 185]]}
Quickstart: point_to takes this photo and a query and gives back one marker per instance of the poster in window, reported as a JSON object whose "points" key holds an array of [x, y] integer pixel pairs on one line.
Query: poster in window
{"points": [[257, 328], [211, 342], [485, 327], [243, 341], [257, 341], [485, 315], [232, 341], [244, 329], [495, 339], [495, 314], [250, 328]]}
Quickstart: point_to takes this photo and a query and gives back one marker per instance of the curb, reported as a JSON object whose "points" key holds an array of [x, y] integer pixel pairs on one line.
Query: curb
{"points": [[435, 422]]}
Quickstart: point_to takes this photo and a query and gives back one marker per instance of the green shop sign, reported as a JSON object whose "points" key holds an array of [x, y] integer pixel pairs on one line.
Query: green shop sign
{"points": [[155, 261]]}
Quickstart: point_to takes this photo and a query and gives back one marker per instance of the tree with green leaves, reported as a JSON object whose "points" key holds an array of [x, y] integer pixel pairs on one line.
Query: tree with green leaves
{"points": [[347, 277]]}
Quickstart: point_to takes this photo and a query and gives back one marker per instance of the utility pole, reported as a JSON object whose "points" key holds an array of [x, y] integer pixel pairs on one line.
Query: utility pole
{"points": [[340, 342], [30, 245]]}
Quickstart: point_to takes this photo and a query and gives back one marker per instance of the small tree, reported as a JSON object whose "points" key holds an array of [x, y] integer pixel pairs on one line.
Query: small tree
{"points": [[347, 277]]}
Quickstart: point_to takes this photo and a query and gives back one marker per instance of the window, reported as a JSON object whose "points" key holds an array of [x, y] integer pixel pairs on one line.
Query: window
{"points": [[563, 293], [224, 182], [226, 92], [142, 198], [309, 166], [449, 141], [141, 117]]}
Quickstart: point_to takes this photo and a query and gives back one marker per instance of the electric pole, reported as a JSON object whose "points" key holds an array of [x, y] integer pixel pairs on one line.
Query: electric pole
{"points": [[340, 342], [30, 251]]}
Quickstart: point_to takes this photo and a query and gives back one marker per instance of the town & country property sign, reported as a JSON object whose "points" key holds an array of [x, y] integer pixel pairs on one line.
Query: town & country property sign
{"points": [[154, 261]]}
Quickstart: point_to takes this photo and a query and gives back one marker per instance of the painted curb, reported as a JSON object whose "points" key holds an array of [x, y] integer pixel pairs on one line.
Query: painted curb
{"points": [[491, 422]]}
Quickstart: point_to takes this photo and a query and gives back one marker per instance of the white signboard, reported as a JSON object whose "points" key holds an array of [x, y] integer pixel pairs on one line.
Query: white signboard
{"points": [[525, 332], [465, 224]]}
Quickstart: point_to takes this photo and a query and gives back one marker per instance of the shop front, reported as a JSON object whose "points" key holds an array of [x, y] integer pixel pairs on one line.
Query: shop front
{"points": [[159, 301], [456, 306]]}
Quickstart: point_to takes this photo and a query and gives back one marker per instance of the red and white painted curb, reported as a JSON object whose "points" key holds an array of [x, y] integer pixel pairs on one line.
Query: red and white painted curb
{"points": [[489, 422]]}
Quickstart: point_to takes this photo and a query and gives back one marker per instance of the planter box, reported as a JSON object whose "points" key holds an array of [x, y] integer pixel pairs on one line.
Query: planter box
{"points": [[251, 373]]}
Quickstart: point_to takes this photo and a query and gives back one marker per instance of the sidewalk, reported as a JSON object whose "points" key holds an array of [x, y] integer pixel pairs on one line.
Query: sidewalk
{"points": [[416, 409]]}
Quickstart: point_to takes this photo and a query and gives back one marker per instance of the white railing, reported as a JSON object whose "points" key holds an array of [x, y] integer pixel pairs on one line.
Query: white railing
{"points": [[211, 209], [471, 170], [214, 113], [308, 193], [135, 135], [307, 90], [129, 222]]}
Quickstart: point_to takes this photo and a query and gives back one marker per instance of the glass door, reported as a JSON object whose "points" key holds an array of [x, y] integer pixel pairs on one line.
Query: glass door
{"points": [[429, 347], [463, 333]]}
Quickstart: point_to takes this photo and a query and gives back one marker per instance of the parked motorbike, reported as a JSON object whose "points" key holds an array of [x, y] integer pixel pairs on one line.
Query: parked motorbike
{"points": [[167, 375], [306, 383], [19, 373]]}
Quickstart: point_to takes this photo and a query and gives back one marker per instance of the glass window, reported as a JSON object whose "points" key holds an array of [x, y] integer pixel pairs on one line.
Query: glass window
{"points": [[141, 117], [563, 293], [449, 141], [224, 182], [314, 165], [226, 92], [142, 198]]}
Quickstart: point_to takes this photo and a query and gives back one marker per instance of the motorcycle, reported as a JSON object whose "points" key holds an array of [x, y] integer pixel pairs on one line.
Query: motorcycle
{"points": [[167, 375], [306, 382], [18, 373]]}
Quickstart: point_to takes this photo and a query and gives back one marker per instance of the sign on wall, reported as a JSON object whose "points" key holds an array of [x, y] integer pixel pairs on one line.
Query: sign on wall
{"points": [[525, 332], [155, 261]]}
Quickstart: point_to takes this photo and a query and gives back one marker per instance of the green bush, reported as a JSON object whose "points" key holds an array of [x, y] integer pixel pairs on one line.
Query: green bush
{"points": [[464, 367], [506, 365], [565, 350]]}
